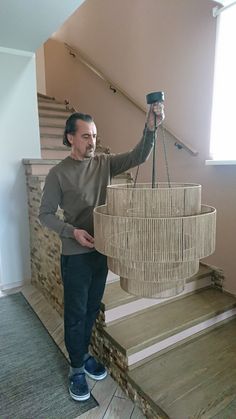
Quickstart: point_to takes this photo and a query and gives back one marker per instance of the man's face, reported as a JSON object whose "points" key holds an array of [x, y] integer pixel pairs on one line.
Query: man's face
{"points": [[83, 142]]}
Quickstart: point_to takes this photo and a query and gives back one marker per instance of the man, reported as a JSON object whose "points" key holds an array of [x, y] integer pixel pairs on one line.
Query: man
{"points": [[78, 184]]}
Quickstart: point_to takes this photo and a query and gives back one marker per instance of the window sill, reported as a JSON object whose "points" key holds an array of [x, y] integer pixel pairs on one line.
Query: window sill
{"points": [[220, 162]]}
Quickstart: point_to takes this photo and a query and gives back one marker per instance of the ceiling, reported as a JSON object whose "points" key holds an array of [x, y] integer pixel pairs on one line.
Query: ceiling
{"points": [[26, 24]]}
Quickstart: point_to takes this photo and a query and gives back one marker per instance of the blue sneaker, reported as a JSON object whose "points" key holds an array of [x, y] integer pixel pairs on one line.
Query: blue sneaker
{"points": [[94, 369], [78, 387]]}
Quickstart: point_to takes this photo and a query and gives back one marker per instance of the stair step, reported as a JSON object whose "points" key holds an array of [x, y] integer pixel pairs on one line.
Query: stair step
{"points": [[117, 303], [195, 380], [55, 153], [150, 327], [52, 104], [53, 142], [57, 107], [49, 129], [51, 113], [50, 120], [39, 166], [41, 96]]}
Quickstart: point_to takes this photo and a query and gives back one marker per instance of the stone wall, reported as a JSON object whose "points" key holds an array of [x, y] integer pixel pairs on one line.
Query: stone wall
{"points": [[45, 249]]}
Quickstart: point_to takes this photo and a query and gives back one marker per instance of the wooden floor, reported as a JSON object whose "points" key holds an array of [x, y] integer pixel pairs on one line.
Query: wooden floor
{"points": [[113, 403]]}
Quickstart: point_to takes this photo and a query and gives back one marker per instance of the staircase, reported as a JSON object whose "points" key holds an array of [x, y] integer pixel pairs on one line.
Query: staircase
{"points": [[176, 357]]}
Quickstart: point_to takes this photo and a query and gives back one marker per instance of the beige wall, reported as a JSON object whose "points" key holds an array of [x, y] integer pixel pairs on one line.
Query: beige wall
{"points": [[146, 46]]}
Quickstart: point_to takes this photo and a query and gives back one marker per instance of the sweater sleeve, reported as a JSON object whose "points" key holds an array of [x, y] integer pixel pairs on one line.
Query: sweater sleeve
{"points": [[119, 163], [51, 199]]}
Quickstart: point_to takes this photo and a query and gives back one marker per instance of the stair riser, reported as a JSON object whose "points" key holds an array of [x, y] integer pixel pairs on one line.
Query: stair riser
{"points": [[51, 104], [55, 154], [54, 112], [58, 107], [51, 142], [135, 306], [61, 121], [52, 130]]}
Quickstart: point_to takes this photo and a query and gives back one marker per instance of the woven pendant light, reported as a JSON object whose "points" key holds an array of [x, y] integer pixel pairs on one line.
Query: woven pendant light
{"points": [[154, 234], [154, 238]]}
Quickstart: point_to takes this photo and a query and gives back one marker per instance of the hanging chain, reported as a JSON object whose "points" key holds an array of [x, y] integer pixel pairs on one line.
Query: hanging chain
{"points": [[154, 176], [163, 138], [165, 154], [144, 140]]}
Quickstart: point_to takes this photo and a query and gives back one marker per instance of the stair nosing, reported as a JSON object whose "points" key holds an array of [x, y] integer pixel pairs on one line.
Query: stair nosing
{"points": [[41, 161], [58, 148]]}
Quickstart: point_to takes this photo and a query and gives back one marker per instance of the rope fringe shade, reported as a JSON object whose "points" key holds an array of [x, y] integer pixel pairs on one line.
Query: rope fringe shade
{"points": [[154, 237]]}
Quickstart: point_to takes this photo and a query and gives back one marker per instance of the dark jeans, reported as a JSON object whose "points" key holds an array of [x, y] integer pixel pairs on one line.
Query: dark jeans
{"points": [[84, 279]]}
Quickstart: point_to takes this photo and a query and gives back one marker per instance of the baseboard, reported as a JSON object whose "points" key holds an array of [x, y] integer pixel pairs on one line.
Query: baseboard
{"points": [[12, 285]]}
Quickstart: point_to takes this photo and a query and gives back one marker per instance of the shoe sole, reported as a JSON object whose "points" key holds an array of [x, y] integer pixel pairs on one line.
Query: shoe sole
{"points": [[96, 377], [79, 398]]}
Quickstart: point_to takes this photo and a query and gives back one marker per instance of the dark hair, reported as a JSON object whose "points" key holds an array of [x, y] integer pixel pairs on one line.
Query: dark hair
{"points": [[71, 127]]}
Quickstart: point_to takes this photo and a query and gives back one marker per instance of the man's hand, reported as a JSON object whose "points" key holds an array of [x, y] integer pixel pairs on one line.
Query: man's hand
{"points": [[84, 238], [156, 109]]}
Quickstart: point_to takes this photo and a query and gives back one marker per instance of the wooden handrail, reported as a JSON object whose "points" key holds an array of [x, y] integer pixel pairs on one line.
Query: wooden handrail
{"points": [[115, 88]]}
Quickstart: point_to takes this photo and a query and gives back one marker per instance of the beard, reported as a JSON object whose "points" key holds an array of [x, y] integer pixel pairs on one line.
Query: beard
{"points": [[89, 152]]}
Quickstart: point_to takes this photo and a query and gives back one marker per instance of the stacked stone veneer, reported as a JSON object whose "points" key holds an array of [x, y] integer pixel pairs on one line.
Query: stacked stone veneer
{"points": [[45, 248]]}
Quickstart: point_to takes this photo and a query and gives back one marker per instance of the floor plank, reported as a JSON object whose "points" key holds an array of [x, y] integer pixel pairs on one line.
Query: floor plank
{"points": [[103, 392], [137, 414], [120, 393], [119, 408]]}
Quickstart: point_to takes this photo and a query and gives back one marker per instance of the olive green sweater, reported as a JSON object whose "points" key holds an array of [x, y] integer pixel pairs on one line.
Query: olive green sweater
{"points": [[78, 186]]}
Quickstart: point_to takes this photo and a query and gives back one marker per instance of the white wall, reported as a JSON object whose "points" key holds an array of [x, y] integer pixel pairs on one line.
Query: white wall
{"points": [[40, 70], [19, 138]]}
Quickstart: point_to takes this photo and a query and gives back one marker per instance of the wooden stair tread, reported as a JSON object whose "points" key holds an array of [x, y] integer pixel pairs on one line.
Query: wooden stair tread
{"points": [[45, 108], [50, 125], [42, 96], [195, 380], [154, 324], [51, 135], [41, 161], [54, 116], [56, 148], [115, 296], [202, 272]]}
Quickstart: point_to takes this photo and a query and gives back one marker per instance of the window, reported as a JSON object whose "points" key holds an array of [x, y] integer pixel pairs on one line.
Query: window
{"points": [[223, 124]]}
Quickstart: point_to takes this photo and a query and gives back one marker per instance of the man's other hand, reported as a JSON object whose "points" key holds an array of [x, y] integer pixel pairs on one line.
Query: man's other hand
{"points": [[84, 238]]}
